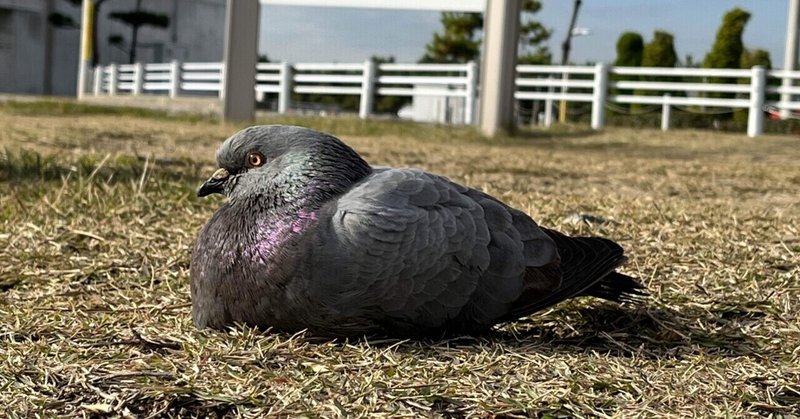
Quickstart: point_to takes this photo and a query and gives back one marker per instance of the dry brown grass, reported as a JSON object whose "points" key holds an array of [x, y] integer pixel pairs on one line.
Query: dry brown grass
{"points": [[97, 215]]}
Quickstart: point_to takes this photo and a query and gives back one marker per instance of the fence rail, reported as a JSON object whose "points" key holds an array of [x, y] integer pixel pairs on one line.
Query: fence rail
{"points": [[603, 86]]}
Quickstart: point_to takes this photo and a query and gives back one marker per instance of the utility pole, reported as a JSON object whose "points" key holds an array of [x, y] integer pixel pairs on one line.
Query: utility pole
{"points": [[87, 30], [790, 56]]}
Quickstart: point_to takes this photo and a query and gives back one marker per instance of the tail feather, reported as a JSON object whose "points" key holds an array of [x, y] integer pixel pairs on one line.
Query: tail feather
{"points": [[587, 267], [617, 287]]}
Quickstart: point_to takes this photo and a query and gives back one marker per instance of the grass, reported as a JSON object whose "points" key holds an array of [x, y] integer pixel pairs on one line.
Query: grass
{"points": [[98, 213]]}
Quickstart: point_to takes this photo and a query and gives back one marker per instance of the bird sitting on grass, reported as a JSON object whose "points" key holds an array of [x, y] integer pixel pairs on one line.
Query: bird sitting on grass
{"points": [[314, 238]]}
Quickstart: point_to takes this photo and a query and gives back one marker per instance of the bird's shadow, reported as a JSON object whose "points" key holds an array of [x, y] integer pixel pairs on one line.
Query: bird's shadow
{"points": [[644, 332]]}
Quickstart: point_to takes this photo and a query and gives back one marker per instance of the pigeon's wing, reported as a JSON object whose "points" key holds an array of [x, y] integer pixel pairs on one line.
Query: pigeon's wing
{"points": [[427, 252]]}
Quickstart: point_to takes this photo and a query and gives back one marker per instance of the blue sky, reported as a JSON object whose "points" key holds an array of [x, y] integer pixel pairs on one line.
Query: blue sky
{"points": [[350, 35]]}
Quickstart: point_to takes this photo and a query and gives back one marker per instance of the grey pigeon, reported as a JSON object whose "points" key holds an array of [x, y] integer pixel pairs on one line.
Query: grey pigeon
{"points": [[312, 237]]}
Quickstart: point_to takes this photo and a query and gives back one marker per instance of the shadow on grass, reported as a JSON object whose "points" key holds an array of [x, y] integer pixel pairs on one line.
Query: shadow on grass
{"points": [[645, 332]]}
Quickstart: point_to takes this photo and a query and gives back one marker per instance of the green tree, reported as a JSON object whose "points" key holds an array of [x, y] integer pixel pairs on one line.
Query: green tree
{"points": [[459, 39], [630, 47], [533, 36], [458, 42], [754, 57], [728, 46], [136, 19], [660, 52]]}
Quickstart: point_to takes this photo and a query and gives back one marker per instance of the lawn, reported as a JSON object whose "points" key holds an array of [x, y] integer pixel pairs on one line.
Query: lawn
{"points": [[98, 215]]}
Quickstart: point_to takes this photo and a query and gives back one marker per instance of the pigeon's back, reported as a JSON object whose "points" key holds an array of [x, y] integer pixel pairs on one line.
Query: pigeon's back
{"points": [[410, 252]]}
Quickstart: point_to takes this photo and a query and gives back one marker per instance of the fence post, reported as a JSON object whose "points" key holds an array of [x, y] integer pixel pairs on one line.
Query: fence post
{"points": [[548, 104], [599, 92], [472, 93], [285, 86], [665, 111], [367, 90], [221, 92], [755, 118], [174, 78], [98, 80], [138, 79], [112, 79]]}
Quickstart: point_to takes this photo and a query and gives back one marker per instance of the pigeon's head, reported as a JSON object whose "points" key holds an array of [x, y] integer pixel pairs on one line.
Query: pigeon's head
{"points": [[281, 165]]}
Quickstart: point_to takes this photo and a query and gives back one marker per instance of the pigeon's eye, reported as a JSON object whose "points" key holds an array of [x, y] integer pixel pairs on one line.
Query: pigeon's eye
{"points": [[255, 159]]}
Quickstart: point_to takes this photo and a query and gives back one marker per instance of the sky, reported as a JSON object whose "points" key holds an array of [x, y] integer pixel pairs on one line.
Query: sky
{"points": [[329, 34]]}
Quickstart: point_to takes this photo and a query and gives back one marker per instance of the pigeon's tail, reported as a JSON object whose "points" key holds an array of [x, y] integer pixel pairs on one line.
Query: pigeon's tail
{"points": [[588, 268]]}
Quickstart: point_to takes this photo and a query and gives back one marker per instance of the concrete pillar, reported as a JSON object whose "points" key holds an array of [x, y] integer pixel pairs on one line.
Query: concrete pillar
{"points": [[755, 118], [501, 29], [790, 55], [239, 60], [85, 61]]}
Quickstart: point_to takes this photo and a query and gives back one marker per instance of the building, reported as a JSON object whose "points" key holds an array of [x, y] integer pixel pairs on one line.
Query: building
{"points": [[40, 39]]}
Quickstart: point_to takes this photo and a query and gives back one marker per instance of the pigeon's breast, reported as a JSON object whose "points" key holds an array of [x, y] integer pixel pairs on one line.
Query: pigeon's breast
{"points": [[274, 236]]}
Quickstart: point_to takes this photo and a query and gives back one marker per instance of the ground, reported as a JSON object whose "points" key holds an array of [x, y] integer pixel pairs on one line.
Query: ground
{"points": [[98, 214]]}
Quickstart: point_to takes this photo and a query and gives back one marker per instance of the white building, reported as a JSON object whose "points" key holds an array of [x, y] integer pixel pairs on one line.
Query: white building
{"points": [[38, 57]]}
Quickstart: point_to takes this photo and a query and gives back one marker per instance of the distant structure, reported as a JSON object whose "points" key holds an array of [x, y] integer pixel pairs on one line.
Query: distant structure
{"points": [[39, 54]]}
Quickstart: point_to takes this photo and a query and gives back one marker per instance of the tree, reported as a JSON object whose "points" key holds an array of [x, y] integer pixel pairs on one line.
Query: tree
{"points": [[459, 40], [728, 46], [660, 52], [533, 36], [630, 47], [753, 57], [135, 19]]}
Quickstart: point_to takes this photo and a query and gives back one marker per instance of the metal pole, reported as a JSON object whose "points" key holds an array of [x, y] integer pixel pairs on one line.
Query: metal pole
{"points": [[755, 118], [84, 63], [790, 56], [472, 93], [599, 92], [565, 48], [499, 66], [665, 112], [285, 87], [175, 78], [239, 60], [367, 89]]}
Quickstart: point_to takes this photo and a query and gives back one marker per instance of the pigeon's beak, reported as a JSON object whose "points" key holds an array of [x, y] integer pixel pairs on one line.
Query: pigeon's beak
{"points": [[214, 184]]}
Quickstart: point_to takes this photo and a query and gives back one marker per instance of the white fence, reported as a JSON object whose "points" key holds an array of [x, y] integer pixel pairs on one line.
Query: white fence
{"points": [[360, 79], [694, 89]]}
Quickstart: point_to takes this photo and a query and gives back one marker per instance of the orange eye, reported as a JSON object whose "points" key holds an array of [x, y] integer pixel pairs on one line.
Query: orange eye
{"points": [[255, 159]]}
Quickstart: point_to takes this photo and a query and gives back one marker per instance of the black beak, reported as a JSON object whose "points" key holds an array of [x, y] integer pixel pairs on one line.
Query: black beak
{"points": [[214, 184]]}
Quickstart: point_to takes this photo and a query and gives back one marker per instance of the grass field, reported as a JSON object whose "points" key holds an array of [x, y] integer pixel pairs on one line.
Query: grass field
{"points": [[98, 214]]}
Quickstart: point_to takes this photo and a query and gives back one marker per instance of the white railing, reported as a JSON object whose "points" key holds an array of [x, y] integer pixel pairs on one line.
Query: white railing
{"points": [[601, 85], [358, 79], [695, 89]]}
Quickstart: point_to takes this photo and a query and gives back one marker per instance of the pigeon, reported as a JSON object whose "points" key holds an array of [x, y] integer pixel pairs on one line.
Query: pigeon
{"points": [[313, 238]]}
